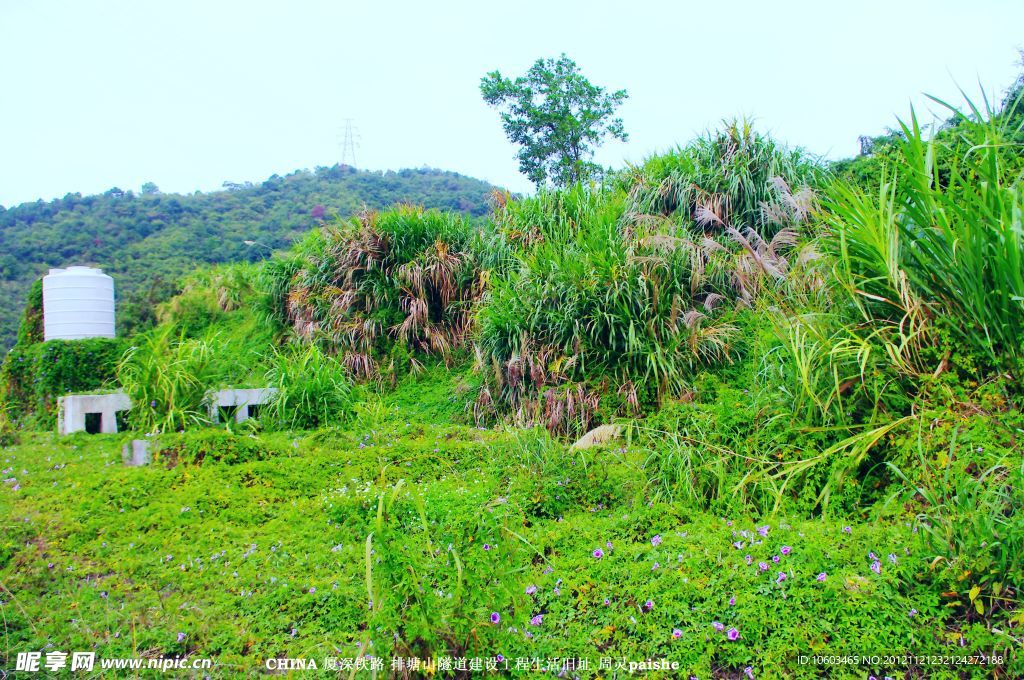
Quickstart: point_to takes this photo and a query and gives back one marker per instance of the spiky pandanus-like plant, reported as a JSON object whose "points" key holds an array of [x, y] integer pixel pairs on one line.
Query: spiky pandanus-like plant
{"points": [[607, 301], [404, 275], [731, 175]]}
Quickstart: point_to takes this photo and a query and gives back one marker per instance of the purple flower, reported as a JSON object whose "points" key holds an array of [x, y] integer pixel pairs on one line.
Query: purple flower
{"points": [[732, 634], [912, 613], [876, 567], [609, 545], [676, 633], [181, 637], [499, 658], [649, 605], [749, 672], [598, 554], [763, 566], [892, 557], [607, 602], [732, 601], [487, 546], [763, 530], [785, 550], [656, 565], [822, 576], [531, 589], [152, 404], [749, 559], [717, 626], [847, 530], [312, 590], [776, 558], [738, 545], [495, 617], [872, 556], [537, 620], [781, 578], [656, 541]]}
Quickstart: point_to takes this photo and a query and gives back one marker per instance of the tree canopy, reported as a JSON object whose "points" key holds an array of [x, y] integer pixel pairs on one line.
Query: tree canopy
{"points": [[147, 241], [557, 117]]}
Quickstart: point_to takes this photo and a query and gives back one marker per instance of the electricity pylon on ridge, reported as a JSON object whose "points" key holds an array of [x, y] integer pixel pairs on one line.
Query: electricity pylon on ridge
{"points": [[349, 144]]}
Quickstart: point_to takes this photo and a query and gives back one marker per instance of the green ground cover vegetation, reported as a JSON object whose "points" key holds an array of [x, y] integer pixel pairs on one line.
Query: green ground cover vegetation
{"points": [[816, 374]]}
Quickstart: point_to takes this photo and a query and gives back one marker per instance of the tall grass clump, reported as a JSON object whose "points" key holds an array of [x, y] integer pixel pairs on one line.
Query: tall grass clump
{"points": [[166, 376], [924, 302], [730, 173], [610, 309], [940, 246], [404, 276], [313, 389], [210, 292], [968, 513]]}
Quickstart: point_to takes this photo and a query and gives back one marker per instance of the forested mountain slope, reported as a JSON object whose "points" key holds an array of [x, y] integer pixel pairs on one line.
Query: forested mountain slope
{"points": [[146, 241]]}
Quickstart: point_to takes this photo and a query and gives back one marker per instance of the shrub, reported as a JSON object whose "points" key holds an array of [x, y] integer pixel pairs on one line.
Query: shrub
{"points": [[730, 173], [208, 294], [166, 376], [211, 445], [313, 389], [604, 302], [30, 331], [35, 375], [8, 435], [968, 504], [941, 240], [404, 274]]}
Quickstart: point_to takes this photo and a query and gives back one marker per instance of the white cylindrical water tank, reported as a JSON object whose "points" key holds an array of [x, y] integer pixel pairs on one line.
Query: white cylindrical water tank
{"points": [[78, 302]]}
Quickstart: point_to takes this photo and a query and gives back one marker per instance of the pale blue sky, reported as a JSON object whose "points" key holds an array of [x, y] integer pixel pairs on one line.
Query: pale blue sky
{"points": [[190, 94]]}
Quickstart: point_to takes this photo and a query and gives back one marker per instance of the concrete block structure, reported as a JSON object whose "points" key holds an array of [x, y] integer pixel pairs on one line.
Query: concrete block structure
{"points": [[94, 413], [137, 452], [240, 401]]}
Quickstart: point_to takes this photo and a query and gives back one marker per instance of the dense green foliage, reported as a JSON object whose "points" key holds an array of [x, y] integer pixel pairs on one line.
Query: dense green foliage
{"points": [[623, 294], [382, 285], [732, 177], [206, 447], [313, 389], [148, 241], [397, 539], [34, 375], [166, 376], [30, 330], [812, 393], [557, 117]]}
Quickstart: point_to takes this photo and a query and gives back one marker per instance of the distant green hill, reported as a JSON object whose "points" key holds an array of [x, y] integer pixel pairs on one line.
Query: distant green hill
{"points": [[147, 241]]}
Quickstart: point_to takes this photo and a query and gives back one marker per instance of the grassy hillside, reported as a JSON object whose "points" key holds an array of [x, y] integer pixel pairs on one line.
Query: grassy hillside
{"points": [[148, 241], [813, 397], [399, 537]]}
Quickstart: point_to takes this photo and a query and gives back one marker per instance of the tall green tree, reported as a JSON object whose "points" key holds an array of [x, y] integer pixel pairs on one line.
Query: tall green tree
{"points": [[557, 117]]}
